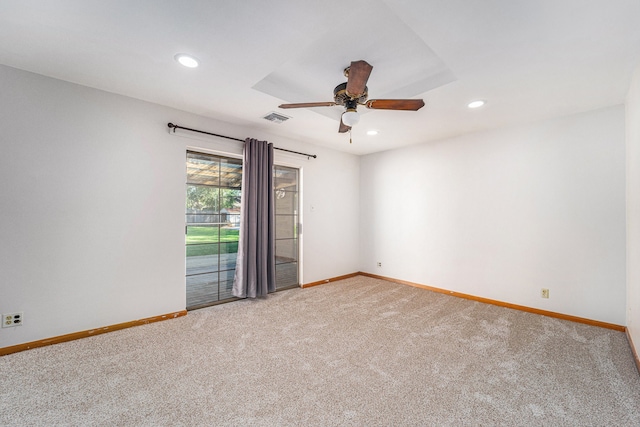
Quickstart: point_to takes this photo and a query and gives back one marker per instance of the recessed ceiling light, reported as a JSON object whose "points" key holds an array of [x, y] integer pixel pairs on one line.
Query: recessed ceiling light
{"points": [[476, 104], [372, 132], [187, 60]]}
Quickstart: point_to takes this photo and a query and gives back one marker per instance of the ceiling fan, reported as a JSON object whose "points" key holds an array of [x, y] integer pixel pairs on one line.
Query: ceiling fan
{"points": [[354, 92]]}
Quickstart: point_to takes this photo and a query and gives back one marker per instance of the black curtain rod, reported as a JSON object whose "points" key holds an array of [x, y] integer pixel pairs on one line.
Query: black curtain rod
{"points": [[174, 127]]}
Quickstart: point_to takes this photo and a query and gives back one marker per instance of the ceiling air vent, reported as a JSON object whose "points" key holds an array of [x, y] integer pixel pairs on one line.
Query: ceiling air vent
{"points": [[276, 117]]}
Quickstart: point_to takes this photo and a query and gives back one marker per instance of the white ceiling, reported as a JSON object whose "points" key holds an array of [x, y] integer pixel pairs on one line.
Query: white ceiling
{"points": [[529, 59]]}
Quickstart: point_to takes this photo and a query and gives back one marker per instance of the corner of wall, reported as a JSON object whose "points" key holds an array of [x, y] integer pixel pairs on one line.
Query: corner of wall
{"points": [[632, 125]]}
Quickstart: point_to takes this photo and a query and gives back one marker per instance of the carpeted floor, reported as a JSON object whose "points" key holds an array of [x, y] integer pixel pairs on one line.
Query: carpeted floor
{"points": [[360, 352]]}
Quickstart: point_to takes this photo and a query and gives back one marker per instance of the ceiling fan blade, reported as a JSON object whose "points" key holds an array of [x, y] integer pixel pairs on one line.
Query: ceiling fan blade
{"points": [[308, 104], [359, 72], [395, 104], [343, 128]]}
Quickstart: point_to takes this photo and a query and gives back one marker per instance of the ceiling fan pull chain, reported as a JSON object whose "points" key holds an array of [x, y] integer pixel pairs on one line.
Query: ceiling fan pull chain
{"points": [[350, 141]]}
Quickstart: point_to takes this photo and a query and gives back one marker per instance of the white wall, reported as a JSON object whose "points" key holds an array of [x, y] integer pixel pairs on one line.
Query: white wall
{"points": [[502, 214], [633, 210], [92, 206]]}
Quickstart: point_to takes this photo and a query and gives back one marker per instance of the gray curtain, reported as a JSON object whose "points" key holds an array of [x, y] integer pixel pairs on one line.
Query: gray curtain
{"points": [[255, 267]]}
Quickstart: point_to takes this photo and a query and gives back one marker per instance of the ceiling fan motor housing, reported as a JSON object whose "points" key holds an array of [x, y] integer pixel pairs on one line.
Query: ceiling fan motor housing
{"points": [[341, 97]]}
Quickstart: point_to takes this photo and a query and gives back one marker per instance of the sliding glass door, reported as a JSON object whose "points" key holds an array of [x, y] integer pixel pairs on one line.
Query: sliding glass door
{"points": [[214, 185], [285, 182]]}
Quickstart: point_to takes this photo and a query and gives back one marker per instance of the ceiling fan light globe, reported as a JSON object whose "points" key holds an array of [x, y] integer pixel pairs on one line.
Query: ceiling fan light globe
{"points": [[350, 118]]}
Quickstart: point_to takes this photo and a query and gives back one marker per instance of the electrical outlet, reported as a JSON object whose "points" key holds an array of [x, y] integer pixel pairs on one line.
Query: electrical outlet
{"points": [[545, 293], [379, 264], [10, 320]]}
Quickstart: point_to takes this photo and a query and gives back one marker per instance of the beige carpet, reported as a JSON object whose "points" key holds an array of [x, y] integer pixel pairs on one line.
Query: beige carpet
{"points": [[360, 352]]}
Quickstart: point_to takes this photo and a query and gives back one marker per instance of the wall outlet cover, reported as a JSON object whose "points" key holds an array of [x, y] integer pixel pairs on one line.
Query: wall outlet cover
{"points": [[9, 320]]}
